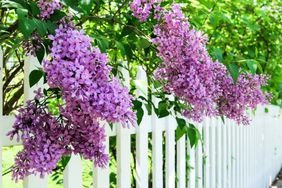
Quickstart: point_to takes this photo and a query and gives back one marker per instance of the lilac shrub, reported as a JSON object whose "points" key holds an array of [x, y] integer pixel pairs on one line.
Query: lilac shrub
{"points": [[89, 96]]}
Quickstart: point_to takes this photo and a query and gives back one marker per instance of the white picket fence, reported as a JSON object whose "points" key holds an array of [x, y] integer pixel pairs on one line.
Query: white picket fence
{"points": [[230, 156]]}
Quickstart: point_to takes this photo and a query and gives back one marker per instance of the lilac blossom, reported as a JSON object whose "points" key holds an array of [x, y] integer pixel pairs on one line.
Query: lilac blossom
{"points": [[47, 8], [188, 72], [142, 9]]}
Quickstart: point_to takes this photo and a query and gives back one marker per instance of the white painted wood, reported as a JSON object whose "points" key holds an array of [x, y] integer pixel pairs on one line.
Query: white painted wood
{"points": [[30, 63], [101, 177], [123, 146], [73, 173], [157, 152], [1, 82], [1, 111], [199, 160], [191, 165], [237, 161], [142, 140], [206, 157], [212, 153], [123, 157], [35, 181], [5, 126], [1, 183], [218, 154], [224, 155], [170, 153], [228, 153], [181, 162], [233, 154]]}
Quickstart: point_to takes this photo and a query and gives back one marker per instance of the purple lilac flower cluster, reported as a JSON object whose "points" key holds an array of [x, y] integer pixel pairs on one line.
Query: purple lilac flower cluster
{"points": [[142, 9], [81, 73], [46, 138], [189, 73], [33, 44], [39, 132], [47, 7]]}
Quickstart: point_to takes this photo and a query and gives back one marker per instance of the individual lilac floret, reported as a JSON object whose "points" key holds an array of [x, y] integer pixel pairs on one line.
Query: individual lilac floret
{"points": [[47, 7], [142, 9]]}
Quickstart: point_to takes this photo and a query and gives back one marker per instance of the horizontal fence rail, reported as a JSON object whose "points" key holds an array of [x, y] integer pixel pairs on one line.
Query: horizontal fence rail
{"points": [[229, 156]]}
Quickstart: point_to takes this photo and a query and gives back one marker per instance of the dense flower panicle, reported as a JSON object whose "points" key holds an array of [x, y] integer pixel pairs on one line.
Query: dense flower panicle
{"points": [[187, 67], [33, 44], [236, 98], [47, 7], [82, 73], [189, 73], [46, 139], [142, 9], [39, 132]]}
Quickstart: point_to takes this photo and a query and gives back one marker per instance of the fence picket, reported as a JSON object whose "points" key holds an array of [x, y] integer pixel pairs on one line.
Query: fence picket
{"points": [[101, 176], [142, 140], [123, 144], [181, 162], [218, 127], [157, 152], [73, 173], [1, 110], [191, 165], [1, 82], [212, 154], [170, 153], [199, 160], [224, 155], [206, 159]]}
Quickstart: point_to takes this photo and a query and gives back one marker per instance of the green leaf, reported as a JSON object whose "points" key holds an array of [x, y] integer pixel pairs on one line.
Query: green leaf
{"points": [[140, 114], [120, 46], [34, 8], [162, 109], [180, 132], [103, 42], [65, 160], [40, 54], [181, 128], [252, 65], [193, 135], [26, 26], [143, 43], [72, 3], [218, 54], [34, 77], [137, 105], [85, 6], [181, 122], [234, 71], [40, 27], [57, 15]]}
